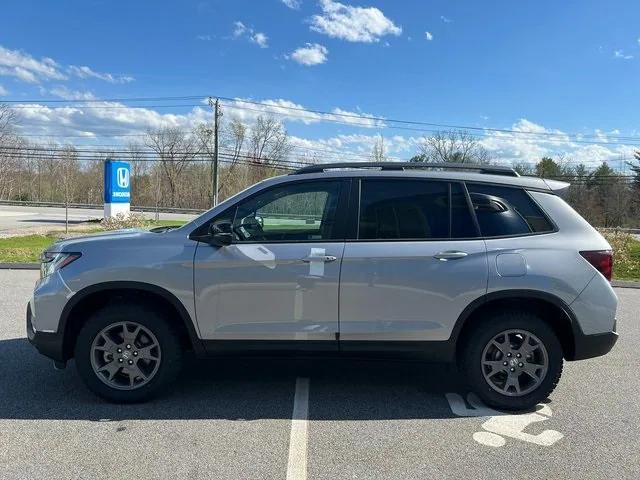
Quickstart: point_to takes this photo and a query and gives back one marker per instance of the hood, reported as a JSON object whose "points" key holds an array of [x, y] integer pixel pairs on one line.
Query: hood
{"points": [[77, 243]]}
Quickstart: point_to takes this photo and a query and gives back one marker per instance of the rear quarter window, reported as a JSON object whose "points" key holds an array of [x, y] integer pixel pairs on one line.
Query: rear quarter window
{"points": [[503, 211]]}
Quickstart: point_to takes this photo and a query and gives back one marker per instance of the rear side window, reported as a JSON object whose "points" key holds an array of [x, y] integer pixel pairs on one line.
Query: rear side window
{"points": [[409, 209], [506, 211]]}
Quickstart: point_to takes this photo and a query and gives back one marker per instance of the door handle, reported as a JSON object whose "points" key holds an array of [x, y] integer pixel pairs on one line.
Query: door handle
{"points": [[322, 258], [450, 255]]}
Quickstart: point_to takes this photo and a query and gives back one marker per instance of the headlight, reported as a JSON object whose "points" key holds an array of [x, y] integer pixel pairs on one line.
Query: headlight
{"points": [[54, 261]]}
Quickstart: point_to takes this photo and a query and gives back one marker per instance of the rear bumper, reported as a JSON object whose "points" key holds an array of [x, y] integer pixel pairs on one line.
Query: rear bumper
{"points": [[48, 344], [589, 346]]}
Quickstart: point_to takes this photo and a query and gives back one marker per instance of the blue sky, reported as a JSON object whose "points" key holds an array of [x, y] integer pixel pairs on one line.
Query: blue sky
{"points": [[545, 66]]}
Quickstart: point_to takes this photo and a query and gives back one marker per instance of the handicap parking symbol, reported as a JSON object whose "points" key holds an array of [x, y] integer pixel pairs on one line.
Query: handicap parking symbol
{"points": [[500, 425]]}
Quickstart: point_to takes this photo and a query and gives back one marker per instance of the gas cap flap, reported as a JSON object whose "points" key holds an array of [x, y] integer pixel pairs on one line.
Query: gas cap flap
{"points": [[511, 265]]}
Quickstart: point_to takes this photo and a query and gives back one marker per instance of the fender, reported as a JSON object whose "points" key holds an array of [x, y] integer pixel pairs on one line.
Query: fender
{"points": [[131, 285], [519, 294]]}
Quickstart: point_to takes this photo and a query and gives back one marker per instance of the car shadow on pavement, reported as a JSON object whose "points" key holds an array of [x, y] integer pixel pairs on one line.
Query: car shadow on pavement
{"points": [[235, 388]]}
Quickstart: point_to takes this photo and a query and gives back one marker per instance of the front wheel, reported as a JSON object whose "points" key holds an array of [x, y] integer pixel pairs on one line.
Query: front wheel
{"points": [[127, 353], [513, 360]]}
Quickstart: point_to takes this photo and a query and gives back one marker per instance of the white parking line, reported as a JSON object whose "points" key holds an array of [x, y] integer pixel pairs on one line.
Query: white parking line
{"points": [[297, 466]]}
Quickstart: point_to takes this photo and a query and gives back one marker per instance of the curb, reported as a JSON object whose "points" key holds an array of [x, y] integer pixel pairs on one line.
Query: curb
{"points": [[19, 266], [625, 284]]}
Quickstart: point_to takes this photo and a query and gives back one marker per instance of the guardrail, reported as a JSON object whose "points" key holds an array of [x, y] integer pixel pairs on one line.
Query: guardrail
{"points": [[91, 206], [189, 211], [134, 208]]}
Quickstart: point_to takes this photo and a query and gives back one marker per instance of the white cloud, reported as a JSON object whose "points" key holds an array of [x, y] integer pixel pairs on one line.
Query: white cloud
{"points": [[508, 147], [3, 91], [310, 54], [114, 119], [103, 118], [293, 4], [288, 111], [66, 94], [260, 39], [621, 55], [445, 19], [205, 38], [239, 28], [86, 72], [23, 66], [428, 35], [354, 24]]}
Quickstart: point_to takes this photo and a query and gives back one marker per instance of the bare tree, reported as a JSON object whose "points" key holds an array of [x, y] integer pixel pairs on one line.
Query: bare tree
{"points": [[8, 120], [175, 148], [377, 152], [68, 165], [268, 142], [453, 146], [139, 168]]}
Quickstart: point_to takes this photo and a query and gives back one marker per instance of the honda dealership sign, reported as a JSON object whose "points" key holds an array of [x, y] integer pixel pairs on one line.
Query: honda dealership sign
{"points": [[117, 188]]}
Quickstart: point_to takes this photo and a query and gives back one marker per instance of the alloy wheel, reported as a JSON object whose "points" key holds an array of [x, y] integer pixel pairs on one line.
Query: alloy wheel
{"points": [[125, 355], [514, 362]]}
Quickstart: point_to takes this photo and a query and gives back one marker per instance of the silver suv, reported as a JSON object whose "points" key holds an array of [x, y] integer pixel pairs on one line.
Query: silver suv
{"points": [[455, 263]]}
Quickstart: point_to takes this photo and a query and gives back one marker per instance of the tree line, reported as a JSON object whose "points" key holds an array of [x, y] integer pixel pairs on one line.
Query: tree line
{"points": [[173, 167]]}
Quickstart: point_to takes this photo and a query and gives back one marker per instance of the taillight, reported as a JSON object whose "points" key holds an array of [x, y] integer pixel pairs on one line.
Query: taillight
{"points": [[602, 260]]}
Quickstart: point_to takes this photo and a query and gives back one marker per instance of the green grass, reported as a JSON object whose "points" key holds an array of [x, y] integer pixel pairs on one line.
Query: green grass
{"points": [[629, 270], [24, 249], [27, 248]]}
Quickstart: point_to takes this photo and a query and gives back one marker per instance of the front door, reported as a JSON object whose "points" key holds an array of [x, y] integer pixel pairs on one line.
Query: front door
{"points": [[416, 264], [279, 278]]}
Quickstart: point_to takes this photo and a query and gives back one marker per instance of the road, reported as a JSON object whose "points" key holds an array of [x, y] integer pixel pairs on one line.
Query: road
{"points": [[18, 217], [232, 419]]}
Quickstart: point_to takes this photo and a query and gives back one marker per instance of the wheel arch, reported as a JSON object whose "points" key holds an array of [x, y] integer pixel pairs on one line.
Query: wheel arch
{"points": [[95, 296], [551, 309]]}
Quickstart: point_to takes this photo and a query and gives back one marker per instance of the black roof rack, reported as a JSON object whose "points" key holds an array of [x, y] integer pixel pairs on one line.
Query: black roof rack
{"points": [[489, 169]]}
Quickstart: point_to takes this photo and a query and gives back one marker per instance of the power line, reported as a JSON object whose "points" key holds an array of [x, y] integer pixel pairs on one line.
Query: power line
{"points": [[324, 116]]}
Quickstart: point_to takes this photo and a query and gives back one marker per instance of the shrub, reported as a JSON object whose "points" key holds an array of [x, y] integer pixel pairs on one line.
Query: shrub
{"points": [[626, 263], [121, 220]]}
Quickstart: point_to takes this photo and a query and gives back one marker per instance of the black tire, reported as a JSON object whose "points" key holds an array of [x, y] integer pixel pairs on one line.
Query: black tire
{"points": [[483, 332], [157, 323]]}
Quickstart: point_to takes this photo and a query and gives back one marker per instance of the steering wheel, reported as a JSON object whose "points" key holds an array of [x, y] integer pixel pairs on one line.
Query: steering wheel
{"points": [[249, 229]]}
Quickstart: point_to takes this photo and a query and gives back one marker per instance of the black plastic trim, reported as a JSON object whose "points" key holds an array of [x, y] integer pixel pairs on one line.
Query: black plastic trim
{"points": [[584, 346], [132, 285], [590, 346], [48, 344], [441, 351]]}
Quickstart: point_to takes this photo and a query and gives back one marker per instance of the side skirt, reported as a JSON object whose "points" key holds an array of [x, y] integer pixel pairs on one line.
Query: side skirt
{"points": [[425, 351]]}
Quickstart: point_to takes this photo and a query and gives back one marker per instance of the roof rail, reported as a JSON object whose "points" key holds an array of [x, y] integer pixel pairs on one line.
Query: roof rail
{"points": [[488, 169]]}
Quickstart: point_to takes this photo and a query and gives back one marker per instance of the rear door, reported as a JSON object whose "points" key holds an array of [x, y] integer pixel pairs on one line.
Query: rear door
{"points": [[417, 261]]}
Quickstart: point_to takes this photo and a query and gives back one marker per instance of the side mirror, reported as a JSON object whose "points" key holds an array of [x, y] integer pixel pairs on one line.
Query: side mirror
{"points": [[220, 233]]}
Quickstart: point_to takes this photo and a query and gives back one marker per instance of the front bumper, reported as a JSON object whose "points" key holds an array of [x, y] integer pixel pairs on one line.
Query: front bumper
{"points": [[49, 344]]}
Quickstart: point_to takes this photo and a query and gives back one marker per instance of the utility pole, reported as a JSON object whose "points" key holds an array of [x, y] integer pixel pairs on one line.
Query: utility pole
{"points": [[214, 167]]}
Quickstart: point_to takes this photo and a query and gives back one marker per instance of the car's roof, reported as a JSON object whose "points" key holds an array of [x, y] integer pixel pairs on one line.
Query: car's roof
{"points": [[464, 176]]}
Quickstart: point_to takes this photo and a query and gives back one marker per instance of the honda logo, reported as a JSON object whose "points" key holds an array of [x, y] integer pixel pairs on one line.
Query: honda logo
{"points": [[122, 177]]}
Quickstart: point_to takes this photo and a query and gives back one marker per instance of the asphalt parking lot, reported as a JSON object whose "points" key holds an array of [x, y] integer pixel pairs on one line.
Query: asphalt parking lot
{"points": [[355, 419]]}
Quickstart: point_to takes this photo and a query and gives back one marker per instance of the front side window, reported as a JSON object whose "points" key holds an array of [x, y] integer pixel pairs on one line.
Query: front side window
{"points": [[294, 212], [503, 211], [403, 209]]}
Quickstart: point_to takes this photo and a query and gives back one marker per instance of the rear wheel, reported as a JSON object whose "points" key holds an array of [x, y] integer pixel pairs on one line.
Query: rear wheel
{"points": [[127, 353], [513, 360]]}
